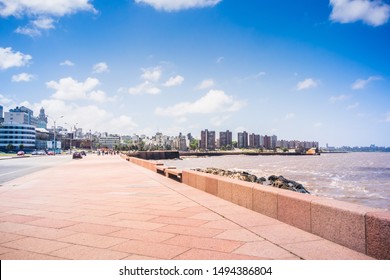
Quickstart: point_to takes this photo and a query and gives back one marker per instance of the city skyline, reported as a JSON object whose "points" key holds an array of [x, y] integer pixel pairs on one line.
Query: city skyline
{"points": [[300, 70]]}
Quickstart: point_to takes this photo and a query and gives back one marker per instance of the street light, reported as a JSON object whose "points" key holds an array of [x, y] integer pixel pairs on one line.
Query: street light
{"points": [[55, 143], [70, 140]]}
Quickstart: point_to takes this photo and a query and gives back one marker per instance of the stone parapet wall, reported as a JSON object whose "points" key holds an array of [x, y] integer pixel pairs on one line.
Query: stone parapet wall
{"points": [[363, 229]]}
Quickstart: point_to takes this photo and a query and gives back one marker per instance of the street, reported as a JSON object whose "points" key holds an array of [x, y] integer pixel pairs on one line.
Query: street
{"points": [[14, 168]]}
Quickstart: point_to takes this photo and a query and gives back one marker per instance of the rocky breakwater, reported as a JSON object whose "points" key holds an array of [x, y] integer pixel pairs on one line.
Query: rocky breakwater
{"points": [[273, 180]]}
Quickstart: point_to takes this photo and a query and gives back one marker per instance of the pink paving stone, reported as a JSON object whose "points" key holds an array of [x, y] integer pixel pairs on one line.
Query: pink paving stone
{"points": [[4, 250], [18, 218], [242, 194], [252, 219], [93, 228], [132, 216], [283, 234], [167, 213], [92, 240], [179, 221], [6, 237], [45, 233], [145, 235], [264, 249], [138, 224], [199, 254], [265, 201], [36, 245], [207, 216], [139, 257], [239, 235], [340, 222], [324, 250], [26, 255], [378, 234], [156, 250], [13, 227], [295, 209], [225, 188], [221, 224], [51, 223], [79, 252], [215, 244], [193, 231]]}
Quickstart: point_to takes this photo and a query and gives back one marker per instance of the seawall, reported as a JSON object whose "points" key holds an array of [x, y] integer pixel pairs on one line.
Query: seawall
{"points": [[360, 228]]}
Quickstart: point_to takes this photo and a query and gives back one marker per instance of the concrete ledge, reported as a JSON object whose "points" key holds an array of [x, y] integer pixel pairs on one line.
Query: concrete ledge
{"points": [[360, 228], [377, 234]]}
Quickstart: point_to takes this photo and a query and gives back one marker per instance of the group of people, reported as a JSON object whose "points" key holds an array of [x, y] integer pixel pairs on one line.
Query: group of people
{"points": [[107, 152]]}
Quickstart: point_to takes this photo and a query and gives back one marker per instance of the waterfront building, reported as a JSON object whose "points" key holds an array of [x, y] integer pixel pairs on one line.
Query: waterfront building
{"points": [[1, 115], [21, 115], [267, 142], [17, 136], [42, 119], [225, 139], [274, 140], [242, 140], [207, 140], [254, 140]]}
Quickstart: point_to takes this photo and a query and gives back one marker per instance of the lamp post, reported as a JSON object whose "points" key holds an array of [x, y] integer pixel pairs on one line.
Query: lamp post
{"points": [[70, 140], [55, 143]]}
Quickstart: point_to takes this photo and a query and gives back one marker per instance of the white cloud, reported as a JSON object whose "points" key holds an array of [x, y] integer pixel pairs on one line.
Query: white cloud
{"points": [[353, 106], [252, 77], [360, 84], [220, 59], [306, 84], [9, 58], [218, 121], [174, 81], [18, 8], [334, 99], [22, 77], [100, 67], [215, 101], [176, 5], [152, 74], [4, 100], [42, 12], [145, 87], [67, 63], [208, 83], [373, 13], [70, 89]]}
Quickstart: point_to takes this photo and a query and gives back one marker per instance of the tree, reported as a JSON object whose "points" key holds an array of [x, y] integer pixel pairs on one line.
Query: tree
{"points": [[21, 147], [10, 147], [194, 144]]}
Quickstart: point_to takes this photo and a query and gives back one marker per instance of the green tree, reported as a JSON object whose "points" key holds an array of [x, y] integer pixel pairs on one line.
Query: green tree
{"points": [[10, 147], [194, 144], [21, 147]]}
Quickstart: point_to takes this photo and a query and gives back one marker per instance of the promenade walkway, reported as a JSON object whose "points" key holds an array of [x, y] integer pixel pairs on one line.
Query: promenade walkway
{"points": [[103, 207]]}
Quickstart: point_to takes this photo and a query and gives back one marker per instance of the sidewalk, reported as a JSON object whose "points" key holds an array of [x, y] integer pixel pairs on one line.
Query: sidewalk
{"points": [[103, 207]]}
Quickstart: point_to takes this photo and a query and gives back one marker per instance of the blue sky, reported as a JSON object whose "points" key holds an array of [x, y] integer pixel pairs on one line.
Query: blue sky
{"points": [[305, 70]]}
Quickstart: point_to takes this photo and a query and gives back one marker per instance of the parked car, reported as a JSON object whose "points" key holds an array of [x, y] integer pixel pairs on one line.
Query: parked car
{"points": [[77, 155], [20, 153], [38, 153], [50, 153], [83, 153]]}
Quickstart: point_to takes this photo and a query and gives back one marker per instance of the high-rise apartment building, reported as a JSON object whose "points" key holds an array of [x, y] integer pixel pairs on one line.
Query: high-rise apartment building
{"points": [[42, 119], [254, 140], [207, 140], [242, 139], [21, 115], [225, 139]]}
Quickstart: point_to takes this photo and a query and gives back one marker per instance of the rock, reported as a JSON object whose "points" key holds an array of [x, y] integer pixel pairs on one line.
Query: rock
{"points": [[275, 181]]}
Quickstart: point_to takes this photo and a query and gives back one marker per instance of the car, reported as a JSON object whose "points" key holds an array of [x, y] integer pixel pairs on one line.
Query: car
{"points": [[77, 155], [50, 153], [20, 153], [38, 153], [83, 153]]}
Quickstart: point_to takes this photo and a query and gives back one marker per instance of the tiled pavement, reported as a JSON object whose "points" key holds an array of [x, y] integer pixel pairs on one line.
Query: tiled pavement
{"points": [[108, 208]]}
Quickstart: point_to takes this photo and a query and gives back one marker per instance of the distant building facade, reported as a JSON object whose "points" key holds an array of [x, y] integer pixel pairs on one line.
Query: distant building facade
{"points": [[207, 140], [242, 140], [225, 139]]}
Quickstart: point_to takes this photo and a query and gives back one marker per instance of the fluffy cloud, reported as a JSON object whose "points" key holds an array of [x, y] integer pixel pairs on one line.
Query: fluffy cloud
{"points": [[145, 87], [353, 106], [42, 12], [67, 63], [174, 81], [205, 84], [70, 89], [215, 101], [9, 58], [4, 100], [176, 5], [100, 67], [306, 84], [334, 99], [22, 77], [152, 74], [360, 84], [373, 13]]}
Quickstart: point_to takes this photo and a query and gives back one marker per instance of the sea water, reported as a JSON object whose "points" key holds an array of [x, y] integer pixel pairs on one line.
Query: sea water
{"points": [[362, 178]]}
